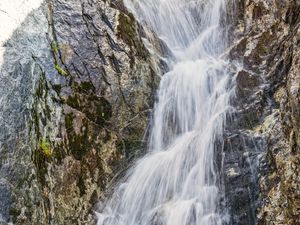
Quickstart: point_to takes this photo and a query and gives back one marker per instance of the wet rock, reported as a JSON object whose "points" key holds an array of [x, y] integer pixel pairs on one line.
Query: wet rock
{"points": [[241, 153], [88, 89], [267, 46], [246, 84], [246, 80]]}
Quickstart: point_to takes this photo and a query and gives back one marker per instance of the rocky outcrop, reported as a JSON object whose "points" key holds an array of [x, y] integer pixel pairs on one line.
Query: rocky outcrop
{"points": [[267, 45], [89, 85]]}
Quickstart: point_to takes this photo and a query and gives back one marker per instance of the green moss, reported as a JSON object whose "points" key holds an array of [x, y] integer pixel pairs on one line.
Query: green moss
{"points": [[262, 50], [45, 148], [97, 109], [77, 143], [54, 47], [42, 154], [61, 71], [73, 101], [14, 213], [87, 86], [69, 120], [40, 95], [126, 29]]}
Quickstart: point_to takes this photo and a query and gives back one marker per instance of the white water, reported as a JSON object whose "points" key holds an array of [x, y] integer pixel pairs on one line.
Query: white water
{"points": [[177, 182]]}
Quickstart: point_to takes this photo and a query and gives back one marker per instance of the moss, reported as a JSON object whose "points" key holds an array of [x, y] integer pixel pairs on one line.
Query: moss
{"points": [[77, 143], [61, 71], [126, 29], [14, 213], [73, 101], [41, 156], [41, 114], [40, 96], [87, 86], [69, 120], [96, 109], [54, 47], [45, 148], [261, 49]]}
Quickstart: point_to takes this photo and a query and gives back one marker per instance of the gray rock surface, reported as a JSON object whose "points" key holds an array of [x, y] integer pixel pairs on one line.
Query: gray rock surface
{"points": [[77, 88]]}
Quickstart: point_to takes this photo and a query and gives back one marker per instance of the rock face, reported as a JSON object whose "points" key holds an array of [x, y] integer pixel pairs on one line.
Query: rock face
{"points": [[262, 157], [81, 84]]}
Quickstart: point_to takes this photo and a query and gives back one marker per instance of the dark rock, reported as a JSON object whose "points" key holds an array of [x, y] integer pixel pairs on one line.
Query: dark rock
{"points": [[267, 92]]}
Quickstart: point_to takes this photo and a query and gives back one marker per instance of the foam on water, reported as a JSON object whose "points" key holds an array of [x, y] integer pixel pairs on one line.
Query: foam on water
{"points": [[177, 182]]}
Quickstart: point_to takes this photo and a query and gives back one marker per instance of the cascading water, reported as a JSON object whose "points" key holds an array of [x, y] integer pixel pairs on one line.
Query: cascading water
{"points": [[177, 182]]}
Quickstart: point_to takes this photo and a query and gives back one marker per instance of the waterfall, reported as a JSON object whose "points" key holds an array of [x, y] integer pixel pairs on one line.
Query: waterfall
{"points": [[177, 182]]}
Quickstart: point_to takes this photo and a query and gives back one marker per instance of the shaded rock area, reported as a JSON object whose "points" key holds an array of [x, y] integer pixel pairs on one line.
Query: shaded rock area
{"points": [[261, 161], [78, 87]]}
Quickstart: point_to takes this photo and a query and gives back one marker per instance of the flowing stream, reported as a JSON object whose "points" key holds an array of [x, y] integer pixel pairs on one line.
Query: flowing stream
{"points": [[177, 182]]}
